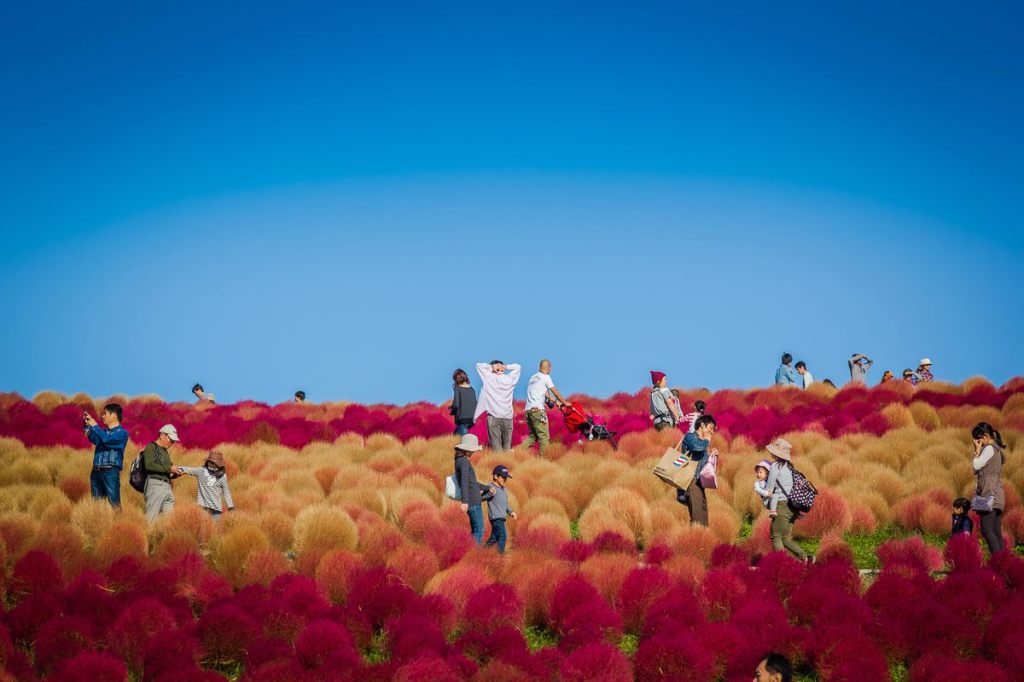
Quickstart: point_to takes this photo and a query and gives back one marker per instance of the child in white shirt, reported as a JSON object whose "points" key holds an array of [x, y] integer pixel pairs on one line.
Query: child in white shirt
{"points": [[769, 500]]}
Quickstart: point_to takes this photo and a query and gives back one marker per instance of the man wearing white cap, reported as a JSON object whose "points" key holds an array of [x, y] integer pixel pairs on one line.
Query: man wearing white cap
{"points": [[924, 371], [156, 460]]}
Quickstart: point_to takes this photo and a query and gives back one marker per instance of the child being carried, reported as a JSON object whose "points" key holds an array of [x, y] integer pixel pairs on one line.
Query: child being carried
{"points": [[768, 498]]}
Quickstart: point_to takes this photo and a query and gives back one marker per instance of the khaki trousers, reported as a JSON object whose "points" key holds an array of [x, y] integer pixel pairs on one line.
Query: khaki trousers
{"points": [[537, 424]]}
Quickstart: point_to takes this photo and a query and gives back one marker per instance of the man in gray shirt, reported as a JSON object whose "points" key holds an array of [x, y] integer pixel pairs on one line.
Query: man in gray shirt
{"points": [[859, 365]]}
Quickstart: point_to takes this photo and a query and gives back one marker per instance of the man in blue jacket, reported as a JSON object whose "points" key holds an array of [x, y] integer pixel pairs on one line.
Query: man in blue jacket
{"points": [[108, 459]]}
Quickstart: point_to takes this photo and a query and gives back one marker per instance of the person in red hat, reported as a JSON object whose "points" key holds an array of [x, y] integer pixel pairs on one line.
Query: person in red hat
{"points": [[665, 410]]}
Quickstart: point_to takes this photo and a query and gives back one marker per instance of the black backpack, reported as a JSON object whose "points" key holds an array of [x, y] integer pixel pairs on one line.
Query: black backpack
{"points": [[802, 495], [137, 473]]}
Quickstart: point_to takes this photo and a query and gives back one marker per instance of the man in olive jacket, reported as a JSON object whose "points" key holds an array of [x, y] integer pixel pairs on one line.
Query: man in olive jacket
{"points": [[156, 460]]}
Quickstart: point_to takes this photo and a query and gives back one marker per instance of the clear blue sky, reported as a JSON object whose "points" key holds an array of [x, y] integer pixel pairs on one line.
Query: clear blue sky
{"points": [[355, 198]]}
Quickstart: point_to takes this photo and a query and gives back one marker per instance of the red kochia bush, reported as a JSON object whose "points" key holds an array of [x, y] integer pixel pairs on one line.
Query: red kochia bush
{"points": [[642, 588], [590, 623], [379, 594], [720, 591], [493, 607], [31, 613], [598, 661], [675, 656], [227, 632], [62, 638], [568, 596], [909, 554], [675, 611], [963, 552], [94, 667], [35, 572], [138, 624], [323, 639], [936, 668], [412, 635]]}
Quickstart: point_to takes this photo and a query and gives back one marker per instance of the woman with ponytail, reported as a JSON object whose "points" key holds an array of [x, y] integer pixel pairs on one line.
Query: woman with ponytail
{"points": [[989, 500]]}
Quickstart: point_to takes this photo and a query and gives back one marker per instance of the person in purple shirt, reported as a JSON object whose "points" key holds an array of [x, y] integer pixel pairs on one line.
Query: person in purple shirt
{"points": [[108, 458]]}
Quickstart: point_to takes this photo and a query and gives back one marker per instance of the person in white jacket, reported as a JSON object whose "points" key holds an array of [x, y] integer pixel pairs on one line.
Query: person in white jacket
{"points": [[499, 381]]}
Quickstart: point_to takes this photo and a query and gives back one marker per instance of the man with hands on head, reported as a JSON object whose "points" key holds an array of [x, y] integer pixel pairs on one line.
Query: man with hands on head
{"points": [[499, 381], [108, 458]]}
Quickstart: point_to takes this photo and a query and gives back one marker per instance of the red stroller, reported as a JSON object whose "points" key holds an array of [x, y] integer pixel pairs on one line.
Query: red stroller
{"points": [[589, 427]]}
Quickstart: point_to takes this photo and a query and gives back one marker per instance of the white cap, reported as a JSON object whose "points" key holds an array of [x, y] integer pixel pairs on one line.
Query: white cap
{"points": [[171, 432], [924, 361]]}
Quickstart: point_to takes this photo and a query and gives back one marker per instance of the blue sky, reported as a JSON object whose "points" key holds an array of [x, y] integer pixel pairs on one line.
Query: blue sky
{"points": [[355, 200]]}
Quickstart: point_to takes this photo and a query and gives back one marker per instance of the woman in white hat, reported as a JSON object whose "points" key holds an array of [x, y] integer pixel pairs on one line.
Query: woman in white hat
{"points": [[470, 490], [780, 482], [924, 371]]}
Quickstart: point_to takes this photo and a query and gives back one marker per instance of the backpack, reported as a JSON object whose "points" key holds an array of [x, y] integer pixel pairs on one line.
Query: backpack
{"points": [[801, 496], [137, 473]]}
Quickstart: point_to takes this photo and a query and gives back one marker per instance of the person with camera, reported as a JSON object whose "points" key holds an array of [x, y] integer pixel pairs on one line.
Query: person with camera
{"points": [[156, 460], [537, 400], [107, 460]]}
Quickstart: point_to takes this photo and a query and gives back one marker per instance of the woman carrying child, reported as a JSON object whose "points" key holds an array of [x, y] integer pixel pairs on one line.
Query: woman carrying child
{"points": [[212, 481], [779, 481], [989, 499]]}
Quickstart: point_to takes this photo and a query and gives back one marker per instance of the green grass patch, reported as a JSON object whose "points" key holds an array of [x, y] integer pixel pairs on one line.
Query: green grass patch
{"points": [[628, 644], [574, 529], [376, 651], [538, 637]]}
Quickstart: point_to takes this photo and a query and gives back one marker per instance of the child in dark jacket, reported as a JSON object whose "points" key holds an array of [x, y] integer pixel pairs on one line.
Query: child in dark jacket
{"points": [[961, 517], [497, 507]]}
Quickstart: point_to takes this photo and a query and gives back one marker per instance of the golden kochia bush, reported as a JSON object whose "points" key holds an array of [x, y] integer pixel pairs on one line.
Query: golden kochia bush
{"points": [[323, 528], [232, 549], [122, 539]]}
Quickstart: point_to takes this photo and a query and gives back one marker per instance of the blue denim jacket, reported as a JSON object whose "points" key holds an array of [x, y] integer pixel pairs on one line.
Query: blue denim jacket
{"points": [[698, 449], [110, 445], [785, 375]]}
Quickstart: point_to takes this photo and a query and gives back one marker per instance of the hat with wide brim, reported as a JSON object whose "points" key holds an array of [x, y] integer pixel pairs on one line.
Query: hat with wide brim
{"points": [[216, 457], [469, 443], [925, 362], [781, 448], [763, 464]]}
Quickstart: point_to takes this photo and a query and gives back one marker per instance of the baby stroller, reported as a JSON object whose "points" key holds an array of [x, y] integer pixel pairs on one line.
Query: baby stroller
{"points": [[589, 427]]}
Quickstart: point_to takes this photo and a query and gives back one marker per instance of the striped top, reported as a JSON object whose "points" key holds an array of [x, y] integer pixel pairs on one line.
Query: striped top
{"points": [[210, 488]]}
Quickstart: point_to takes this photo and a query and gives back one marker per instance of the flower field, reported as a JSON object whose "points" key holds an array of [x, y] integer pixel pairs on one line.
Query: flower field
{"points": [[344, 561]]}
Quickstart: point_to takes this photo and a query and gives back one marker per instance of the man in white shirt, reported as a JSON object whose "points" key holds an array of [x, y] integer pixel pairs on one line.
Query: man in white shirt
{"points": [[536, 412], [499, 381], [801, 369]]}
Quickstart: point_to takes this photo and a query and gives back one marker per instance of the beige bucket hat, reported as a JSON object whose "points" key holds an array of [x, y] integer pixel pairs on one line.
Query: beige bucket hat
{"points": [[781, 448], [469, 443]]}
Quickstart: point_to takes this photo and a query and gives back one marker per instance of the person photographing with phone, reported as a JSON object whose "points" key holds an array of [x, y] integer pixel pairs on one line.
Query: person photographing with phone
{"points": [[108, 458]]}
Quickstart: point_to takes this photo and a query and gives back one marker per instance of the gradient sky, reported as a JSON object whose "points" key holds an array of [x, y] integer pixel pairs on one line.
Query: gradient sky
{"points": [[356, 198]]}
